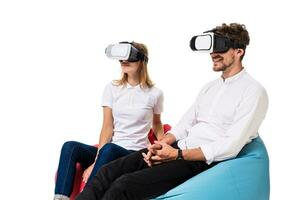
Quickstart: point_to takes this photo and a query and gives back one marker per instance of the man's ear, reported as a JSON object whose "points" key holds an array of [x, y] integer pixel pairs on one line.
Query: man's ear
{"points": [[240, 52]]}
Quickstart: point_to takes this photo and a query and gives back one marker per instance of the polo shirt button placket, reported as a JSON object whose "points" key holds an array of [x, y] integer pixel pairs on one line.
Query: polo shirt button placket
{"points": [[131, 90]]}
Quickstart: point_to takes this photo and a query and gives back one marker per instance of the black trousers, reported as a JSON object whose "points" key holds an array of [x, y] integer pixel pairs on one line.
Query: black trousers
{"points": [[130, 178]]}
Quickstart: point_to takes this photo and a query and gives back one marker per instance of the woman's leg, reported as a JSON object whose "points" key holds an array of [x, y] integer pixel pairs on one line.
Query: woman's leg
{"points": [[108, 153], [71, 153], [108, 173]]}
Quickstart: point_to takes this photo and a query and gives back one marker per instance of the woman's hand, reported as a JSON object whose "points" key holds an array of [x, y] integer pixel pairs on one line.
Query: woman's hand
{"points": [[87, 172]]}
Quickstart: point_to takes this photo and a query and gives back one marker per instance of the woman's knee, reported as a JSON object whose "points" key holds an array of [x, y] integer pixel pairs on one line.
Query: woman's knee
{"points": [[109, 147], [111, 151], [69, 146]]}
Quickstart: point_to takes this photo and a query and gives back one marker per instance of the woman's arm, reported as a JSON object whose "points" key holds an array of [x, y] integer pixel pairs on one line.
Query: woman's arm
{"points": [[105, 137], [157, 127], [107, 127]]}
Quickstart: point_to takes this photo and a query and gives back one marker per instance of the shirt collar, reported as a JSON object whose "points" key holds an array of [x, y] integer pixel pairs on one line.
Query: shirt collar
{"points": [[234, 77], [128, 86]]}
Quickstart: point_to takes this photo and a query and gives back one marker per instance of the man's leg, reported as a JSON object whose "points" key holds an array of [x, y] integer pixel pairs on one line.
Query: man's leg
{"points": [[108, 153], [151, 182], [110, 172]]}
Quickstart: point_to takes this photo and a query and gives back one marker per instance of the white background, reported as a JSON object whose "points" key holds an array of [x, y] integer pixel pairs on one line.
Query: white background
{"points": [[53, 71]]}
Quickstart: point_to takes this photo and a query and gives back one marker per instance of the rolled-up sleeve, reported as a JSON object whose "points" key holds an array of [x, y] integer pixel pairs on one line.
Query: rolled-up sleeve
{"points": [[248, 117]]}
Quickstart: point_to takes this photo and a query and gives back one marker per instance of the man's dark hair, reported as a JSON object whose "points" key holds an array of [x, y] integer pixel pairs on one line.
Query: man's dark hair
{"points": [[237, 32]]}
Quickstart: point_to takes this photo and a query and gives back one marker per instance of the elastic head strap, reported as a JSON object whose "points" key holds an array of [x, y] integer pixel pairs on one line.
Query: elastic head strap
{"points": [[233, 43]]}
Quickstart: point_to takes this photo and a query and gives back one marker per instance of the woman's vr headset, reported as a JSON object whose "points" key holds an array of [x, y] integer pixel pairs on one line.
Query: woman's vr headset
{"points": [[210, 42], [125, 51]]}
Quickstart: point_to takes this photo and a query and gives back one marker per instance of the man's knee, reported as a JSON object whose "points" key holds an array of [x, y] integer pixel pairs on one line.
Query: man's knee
{"points": [[120, 189], [87, 194]]}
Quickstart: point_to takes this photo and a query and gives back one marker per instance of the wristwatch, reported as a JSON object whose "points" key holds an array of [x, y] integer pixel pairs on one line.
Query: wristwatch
{"points": [[179, 156]]}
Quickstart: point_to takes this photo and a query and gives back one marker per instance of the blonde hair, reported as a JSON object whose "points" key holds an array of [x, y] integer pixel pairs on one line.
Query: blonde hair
{"points": [[144, 78]]}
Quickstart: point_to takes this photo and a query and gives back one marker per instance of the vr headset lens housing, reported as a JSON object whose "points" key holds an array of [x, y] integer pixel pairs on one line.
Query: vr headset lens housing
{"points": [[124, 52], [119, 51], [202, 42], [211, 43]]}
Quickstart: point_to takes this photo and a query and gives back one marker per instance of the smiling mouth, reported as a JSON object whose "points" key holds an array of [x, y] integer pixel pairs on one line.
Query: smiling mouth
{"points": [[217, 58]]}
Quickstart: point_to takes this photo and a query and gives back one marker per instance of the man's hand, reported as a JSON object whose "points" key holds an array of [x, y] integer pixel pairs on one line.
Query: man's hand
{"points": [[160, 152], [152, 148]]}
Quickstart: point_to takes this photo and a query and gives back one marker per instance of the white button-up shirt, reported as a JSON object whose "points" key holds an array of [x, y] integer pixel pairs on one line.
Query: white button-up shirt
{"points": [[225, 116], [132, 109]]}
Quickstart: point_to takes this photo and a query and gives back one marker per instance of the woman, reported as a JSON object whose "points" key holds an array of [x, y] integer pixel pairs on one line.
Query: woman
{"points": [[130, 106]]}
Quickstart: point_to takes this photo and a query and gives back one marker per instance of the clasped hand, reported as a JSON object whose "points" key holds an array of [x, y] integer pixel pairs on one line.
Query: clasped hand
{"points": [[159, 152]]}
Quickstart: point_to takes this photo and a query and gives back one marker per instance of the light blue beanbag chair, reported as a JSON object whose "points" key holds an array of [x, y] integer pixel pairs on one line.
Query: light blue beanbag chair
{"points": [[244, 178]]}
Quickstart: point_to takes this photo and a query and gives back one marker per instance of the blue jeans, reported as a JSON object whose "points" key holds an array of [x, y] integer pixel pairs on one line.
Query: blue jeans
{"points": [[75, 152]]}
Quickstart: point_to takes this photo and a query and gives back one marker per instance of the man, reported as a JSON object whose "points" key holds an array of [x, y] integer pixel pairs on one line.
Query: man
{"points": [[225, 116]]}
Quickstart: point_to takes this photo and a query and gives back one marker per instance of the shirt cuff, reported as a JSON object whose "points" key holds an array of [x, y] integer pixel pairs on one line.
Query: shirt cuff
{"points": [[208, 153], [173, 132]]}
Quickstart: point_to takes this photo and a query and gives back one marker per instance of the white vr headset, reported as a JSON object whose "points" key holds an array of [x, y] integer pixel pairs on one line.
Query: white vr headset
{"points": [[125, 51], [210, 42]]}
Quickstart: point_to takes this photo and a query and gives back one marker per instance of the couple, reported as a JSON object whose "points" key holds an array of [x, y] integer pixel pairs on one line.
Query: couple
{"points": [[225, 116]]}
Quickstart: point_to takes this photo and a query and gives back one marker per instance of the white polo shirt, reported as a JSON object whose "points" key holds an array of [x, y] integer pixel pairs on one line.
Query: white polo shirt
{"points": [[133, 108], [225, 116]]}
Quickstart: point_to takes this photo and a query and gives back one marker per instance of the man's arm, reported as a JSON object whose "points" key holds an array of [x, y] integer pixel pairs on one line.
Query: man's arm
{"points": [[193, 154], [180, 131], [162, 152], [189, 119], [168, 153], [249, 115]]}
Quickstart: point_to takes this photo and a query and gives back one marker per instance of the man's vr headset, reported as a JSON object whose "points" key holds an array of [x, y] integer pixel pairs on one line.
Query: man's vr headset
{"points": [[210, 42], [125, 51]]}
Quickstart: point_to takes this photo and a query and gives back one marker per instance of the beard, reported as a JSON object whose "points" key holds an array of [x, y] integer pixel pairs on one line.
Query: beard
{"points": [[220, 66]]}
